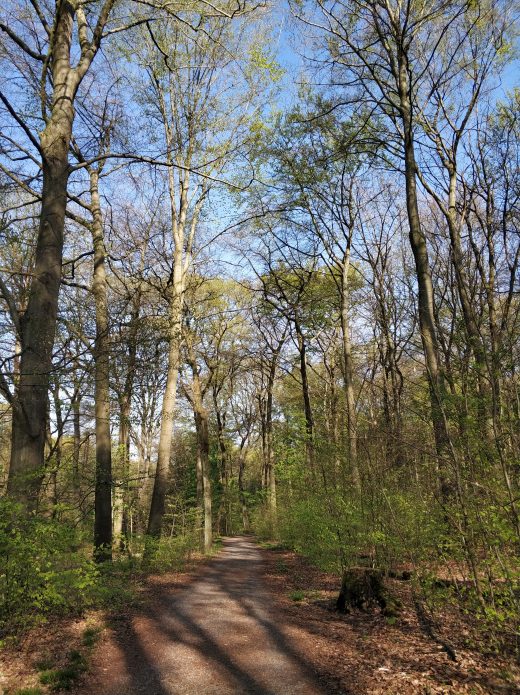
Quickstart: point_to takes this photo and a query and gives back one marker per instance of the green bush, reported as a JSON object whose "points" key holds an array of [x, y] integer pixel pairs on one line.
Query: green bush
{"points": [[170, 553], [264, 522], [324, 530], [335, 531], [42, 569]]}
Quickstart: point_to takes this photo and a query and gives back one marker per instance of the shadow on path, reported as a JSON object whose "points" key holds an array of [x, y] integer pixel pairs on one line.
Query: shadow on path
{"points": [[216, 636]]}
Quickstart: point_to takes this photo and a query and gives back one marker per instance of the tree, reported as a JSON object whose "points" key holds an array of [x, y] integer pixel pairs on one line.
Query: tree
{"points": [[272, 333], [205, 122], [55, 45], [321, 178]]}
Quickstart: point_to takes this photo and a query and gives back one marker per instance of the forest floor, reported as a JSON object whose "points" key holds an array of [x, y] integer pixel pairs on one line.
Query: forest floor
{"points": [[365, 653], [256, 620]]}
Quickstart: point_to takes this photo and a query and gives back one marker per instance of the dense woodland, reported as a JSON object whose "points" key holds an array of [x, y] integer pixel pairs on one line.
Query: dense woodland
{"points": [[260, 273]]}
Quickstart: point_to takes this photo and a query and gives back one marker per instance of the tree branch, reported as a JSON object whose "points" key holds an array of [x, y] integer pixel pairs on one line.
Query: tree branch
{"points": [[21, 43], [22, 125], [11, 305]]}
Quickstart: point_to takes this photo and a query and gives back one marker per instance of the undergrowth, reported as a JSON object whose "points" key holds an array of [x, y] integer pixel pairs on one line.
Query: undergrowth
{"points": [[47, 570], [403, 535]]}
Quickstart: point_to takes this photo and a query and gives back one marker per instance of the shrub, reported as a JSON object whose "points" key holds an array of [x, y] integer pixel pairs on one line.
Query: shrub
{"points": [[42, 569], [170, 553]]}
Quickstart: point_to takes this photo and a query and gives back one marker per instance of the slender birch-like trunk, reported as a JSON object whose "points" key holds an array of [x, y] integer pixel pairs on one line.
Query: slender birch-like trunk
{"points": [[103, 486]]}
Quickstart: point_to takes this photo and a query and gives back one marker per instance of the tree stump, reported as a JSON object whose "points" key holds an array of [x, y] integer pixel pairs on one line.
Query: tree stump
{"points": [[363, 587]]}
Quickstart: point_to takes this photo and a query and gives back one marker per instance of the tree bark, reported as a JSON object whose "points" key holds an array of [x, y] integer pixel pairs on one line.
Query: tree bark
{"points": [[201, 420], [76, 418], [103, 488], [309, 420], [38, 324], [241, 490], [125, 405], [348, 373], [271, 476], [224, 510], [181, 262], [160, 486], [202, 428], [424, 280], [468, 312]]}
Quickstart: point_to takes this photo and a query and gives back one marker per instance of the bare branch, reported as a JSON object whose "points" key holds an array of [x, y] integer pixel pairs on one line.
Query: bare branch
{"points": [[11, 305], [21, 43], [20, 122]]}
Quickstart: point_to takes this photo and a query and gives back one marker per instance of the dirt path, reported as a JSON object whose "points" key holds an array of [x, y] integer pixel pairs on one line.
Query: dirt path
{"points": [[217, 636]]}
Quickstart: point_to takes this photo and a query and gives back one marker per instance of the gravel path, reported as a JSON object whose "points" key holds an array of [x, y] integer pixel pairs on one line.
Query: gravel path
{"points": [[217, 636]]}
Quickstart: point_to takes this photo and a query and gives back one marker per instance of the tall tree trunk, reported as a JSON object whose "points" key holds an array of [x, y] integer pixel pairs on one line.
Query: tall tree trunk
{"points": [[157, 507], [76, 450], [348, 373], [179, 210], [468, 312], [392, 376], [271, 475], [269, 454], [263, 436], [124, 438], [125, 405], [224, 510], [424, 280], [38, 324], [307, 408], [162, 472], [121, 500], [201, 426], [103, 489], [56, 447], [241, 489]]}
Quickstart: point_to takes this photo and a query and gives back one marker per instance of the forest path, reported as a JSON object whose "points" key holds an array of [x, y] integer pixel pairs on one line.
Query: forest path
{"points": [[216, 636]]}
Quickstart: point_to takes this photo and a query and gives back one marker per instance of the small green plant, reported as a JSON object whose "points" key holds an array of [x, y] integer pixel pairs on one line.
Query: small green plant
{"points": [[115, 588], [64, 678], [273, 545], [48, 677], [281, 567], [44, 664], [28, 691], [297, 595], [91, 636], [506, 674]]}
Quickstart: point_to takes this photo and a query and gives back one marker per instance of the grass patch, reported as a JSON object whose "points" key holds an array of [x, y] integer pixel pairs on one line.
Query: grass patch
{"points": [[272, 545], [297, 595], [281, 567], [91, 636], [506, 675], [64, 678], [44, 664]]}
